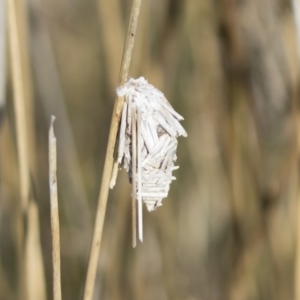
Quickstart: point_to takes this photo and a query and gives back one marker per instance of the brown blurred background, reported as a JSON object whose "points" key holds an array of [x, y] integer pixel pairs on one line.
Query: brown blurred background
{"points": [[228, 229]]}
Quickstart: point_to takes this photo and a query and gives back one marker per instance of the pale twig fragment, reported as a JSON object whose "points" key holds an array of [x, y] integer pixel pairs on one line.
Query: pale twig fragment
{"points": [[147, 137], [122, 134], [173, 122], [20, 96], [139, 159], [169, 108], [2, 53], [129, 112], [133, 172], [54, 213], [152, 124], [162, 122]]}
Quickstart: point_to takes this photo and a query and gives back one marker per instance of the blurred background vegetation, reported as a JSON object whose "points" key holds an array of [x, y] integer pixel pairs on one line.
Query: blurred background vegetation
{"points": [[229, 228]]}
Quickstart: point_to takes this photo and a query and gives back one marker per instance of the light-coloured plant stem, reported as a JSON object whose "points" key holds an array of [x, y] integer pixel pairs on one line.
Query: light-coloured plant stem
{"points": [[139, 168], [109, 159], [134, 178], [18, 84], [127, 53], [2, 51], [296, 12], [54, 213], [31, 283], [19, 105]]}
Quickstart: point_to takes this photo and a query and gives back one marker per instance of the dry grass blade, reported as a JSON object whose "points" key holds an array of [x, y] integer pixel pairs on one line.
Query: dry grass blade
{"points": [[135, 11], [109, 159], [28, 244], [296, 12], [31, 271], [18, 84], [2, 52], [54, 213], [35, 273], [53, 101], [297, 260], [19, 105]]}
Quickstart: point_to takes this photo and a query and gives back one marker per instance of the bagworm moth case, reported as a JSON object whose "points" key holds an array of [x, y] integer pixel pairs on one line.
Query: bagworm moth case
{"points": [[149, 129]]}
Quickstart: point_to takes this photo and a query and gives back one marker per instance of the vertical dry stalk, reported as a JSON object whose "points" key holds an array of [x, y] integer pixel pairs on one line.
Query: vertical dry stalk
{"points": [[133, 178], [296, 12], [21, 134], [54, 213], [31, 271], [19, 96], [36, 285], [127, 53], [2, 52], [297, 262], [109, 159], [113, 36]]}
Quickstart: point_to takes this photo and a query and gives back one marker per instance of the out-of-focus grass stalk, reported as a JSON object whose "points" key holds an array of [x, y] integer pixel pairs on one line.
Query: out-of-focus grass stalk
{"points": [[21, 134], [109, 159], [36, 286], [54, 214], [113, 36], [296, 12], [19, 105], [31, 269], [2, 53], [53, 101]]}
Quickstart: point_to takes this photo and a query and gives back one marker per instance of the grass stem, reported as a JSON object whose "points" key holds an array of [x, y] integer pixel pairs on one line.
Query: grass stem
{"points": [[109, 159], [296, 12], [54, 213], [18, 84]]}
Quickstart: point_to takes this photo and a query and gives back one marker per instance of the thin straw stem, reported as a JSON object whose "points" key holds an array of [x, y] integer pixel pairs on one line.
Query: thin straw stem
{"points": [[296, 12], [109, 159], [19, 105], [134, 159], [139, 167], [54, 213], [127, 54], [2, 52], [21, 135]]}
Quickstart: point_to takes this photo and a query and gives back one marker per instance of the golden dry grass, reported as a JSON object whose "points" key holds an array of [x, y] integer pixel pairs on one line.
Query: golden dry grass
{"points": [[228, 229]]}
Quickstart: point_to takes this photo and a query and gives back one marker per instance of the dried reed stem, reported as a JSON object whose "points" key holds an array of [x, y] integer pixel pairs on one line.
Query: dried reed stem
{"points": [[19, 97], [36, 285], [31, 268], [109, 159], [296, 12], [127, 53], [18, 83], [2, 52], [54, 213], [297, 260]]}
